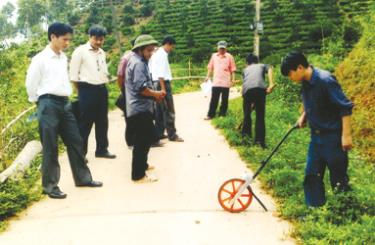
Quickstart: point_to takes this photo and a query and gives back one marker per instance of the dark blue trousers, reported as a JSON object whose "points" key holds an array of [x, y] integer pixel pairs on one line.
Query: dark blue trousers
{"points": [[165, 114], [93, 105], [56, 118], [325, 150], [215, 96]]}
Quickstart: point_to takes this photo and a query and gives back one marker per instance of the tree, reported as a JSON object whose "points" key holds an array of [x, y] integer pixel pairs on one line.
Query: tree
{"points": [[8, 10], [7, 29], [31, 13], [58, 10], [146, 10], [128, 20]]}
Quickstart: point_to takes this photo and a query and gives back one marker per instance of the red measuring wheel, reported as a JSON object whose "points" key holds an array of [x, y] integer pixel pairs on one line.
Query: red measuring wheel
{"points": [[227, 192]]}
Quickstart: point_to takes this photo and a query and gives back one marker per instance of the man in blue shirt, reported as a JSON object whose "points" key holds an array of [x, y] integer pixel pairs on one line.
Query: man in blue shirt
{"points": [[328, 112]]}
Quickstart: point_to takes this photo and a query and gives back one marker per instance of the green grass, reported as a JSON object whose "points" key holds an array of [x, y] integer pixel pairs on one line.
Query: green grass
{"points": [[346, 218], [17, 194]]}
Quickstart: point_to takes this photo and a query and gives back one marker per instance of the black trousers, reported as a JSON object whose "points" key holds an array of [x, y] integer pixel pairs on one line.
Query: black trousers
{"points": [[56, 118], [143, 130], [164, 113], [93, 105], [256, 97], [216, 92]]}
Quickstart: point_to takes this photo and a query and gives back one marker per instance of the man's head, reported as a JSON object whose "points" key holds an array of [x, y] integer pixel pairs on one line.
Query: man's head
{"points": [[144, 45], [222, 47], [169, 43], [97, 35], [252, 59], [294, 66], [60, 35]]}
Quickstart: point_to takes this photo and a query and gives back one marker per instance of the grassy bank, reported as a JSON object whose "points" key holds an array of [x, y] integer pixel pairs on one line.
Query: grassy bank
{"points": [[345, 219]]}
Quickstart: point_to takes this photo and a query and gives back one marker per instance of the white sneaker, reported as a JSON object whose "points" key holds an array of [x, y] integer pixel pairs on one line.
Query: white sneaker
{"points": [[146, 179]]}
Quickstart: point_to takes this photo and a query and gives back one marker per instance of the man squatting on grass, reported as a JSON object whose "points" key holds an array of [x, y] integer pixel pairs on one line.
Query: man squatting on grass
{"points": [[328, 112]]}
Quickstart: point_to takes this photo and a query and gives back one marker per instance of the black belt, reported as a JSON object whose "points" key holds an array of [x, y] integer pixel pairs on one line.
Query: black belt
{"points": [[55, 97], [89, 85], [324, 131]]}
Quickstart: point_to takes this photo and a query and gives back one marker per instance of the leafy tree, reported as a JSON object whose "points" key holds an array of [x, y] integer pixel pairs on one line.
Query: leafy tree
{"points": [[128, 9], [58, 10], [128, 20], [7, 29], [146, 9], [31, 13]]}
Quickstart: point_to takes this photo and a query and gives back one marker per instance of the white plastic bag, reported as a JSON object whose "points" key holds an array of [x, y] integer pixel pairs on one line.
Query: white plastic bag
{"points": [[206, 87]]}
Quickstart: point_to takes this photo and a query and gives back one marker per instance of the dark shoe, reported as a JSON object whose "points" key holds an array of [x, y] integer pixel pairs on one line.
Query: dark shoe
{"points": [[176, 138], [105, 155], [56, 194], [163, 137], [157, 144], [93, 183]]}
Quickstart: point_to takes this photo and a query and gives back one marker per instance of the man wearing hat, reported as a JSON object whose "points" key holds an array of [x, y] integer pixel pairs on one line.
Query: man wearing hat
{"points": [[222, 66], [140, 98]]}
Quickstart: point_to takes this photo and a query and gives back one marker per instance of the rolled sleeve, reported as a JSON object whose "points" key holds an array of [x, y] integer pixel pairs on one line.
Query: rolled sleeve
{"points": [[210, 65], [33, 78], [141, 79], [338, 98], [75, 65]]}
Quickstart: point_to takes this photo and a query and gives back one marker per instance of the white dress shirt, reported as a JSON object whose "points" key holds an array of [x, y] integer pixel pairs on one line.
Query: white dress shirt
{"points": [[88, 65], [159, 65], [48, 74]]}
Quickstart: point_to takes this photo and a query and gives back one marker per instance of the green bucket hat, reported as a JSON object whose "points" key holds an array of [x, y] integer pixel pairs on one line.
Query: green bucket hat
{"points": [[144, 40]]}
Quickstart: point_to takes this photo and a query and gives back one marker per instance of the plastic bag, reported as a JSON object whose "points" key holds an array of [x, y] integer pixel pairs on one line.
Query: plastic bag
{"points": [[206, 87]]}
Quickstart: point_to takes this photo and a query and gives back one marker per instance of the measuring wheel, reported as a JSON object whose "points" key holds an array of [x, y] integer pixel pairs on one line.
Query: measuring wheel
{"points": [[227, 192]]}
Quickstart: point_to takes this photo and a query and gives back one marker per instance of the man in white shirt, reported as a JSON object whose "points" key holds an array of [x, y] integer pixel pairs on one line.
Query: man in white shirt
{"points": [[48, 85], [162, 77], [89, 72]]}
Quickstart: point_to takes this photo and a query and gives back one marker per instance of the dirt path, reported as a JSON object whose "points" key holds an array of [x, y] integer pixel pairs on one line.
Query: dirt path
{"points": [[181, 208]]}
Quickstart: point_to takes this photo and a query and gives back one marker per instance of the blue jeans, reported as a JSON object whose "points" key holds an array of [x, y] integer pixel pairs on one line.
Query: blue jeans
{"points": [[325, 150]]}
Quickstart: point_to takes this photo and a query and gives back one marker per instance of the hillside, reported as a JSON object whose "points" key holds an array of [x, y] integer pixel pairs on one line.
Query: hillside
{"points": [[357, 75], [198, 25]]}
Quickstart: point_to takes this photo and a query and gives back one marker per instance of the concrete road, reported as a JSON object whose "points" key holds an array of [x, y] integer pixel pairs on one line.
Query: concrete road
{"points": [[181, 208]]}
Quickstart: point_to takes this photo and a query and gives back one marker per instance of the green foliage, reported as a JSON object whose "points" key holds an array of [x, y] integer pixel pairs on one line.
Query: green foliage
{"points": [[16, 195], [347, 218], [356, 73]]}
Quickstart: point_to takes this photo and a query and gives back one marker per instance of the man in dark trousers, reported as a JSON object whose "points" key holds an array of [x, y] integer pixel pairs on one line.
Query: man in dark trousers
{"points": [[254, 91], [222, 67], [89, 72], [48, 85], [328, 112], [162, 77]]}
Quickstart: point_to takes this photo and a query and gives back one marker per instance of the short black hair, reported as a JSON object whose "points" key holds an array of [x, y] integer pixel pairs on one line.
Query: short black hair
{"points": [[252, 59], [291, 62], [169, 40], [59, 29], [97, 31]]}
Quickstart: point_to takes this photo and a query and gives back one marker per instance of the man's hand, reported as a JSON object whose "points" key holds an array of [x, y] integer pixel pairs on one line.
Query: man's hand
{"points": [[270, 89], [159, 96], [301, 122], [347, 142]]}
